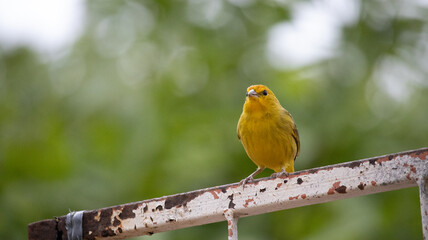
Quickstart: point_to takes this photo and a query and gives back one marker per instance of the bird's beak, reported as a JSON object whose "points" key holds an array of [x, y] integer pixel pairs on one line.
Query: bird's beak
{"points": [[252, 93]]}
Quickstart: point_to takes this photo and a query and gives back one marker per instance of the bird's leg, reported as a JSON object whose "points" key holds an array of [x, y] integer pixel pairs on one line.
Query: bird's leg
{"points": [[283, 173], [251, 177]]}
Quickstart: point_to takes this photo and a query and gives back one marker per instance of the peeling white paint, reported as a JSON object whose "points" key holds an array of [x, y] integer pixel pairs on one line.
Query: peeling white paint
{"points": [[230, 202]]}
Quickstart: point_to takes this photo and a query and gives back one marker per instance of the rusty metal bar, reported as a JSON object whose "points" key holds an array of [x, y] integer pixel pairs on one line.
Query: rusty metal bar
{"points": [[232, 201], [423, 194], [232, 224]]}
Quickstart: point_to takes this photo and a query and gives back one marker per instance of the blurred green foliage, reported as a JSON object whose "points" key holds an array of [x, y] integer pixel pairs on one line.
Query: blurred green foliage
{"points": [[146, 104]]}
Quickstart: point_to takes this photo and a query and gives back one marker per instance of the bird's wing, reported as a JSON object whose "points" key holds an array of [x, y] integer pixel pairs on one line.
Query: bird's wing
{"points": [[294, 133], [237, 131], [296, 137]]}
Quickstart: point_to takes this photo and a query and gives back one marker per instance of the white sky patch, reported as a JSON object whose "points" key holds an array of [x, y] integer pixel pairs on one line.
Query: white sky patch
{"points": [[208, 13], [46, 26], [312, 34], [396, 78]]}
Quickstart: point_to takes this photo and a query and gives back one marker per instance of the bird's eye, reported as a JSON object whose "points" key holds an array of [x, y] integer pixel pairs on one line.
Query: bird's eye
{"points": [[264, 92]]}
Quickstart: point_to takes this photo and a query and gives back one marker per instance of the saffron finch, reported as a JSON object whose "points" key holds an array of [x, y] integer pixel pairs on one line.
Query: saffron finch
{"points": [[268, 133]]}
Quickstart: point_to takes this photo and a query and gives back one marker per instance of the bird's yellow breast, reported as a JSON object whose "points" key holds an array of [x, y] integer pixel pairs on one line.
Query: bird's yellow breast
{"points": [[267, 139]]}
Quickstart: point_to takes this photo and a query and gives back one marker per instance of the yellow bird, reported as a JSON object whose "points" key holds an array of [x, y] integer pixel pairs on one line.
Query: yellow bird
{"points": [[268, 133]]}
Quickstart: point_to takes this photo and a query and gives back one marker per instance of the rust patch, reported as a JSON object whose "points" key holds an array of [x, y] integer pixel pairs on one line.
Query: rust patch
{"points": [[336, 184], [238, 185], [108, 232], [179, 200], [96, 222], [230, 232], [116, 221], [408, 176], [373, 161], [127, 211], [311, 171], [361, 186], [341, 189], [421, 154], [405, 165], [303, 196], [385, 159], [278, 185], [248, 201], [48, 229], [373, 183], [215, 192], [231, 204], [159, 207], [299, 181], [412, 168], [333, 188], [303, 173], [354, 164], [291, 198]]}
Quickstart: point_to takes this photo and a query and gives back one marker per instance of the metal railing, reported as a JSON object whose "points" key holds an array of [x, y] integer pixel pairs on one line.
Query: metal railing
{"points": [[231, 202]]}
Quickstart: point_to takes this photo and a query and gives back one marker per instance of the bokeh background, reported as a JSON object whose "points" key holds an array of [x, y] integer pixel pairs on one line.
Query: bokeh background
{"points": [[109, 102]]}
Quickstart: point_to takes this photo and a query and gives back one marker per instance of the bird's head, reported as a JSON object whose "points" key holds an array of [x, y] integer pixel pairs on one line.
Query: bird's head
{"points": [[260, 98]]}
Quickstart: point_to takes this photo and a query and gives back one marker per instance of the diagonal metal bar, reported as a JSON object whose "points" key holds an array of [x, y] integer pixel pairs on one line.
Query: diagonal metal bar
{"points": [[229, 202]]}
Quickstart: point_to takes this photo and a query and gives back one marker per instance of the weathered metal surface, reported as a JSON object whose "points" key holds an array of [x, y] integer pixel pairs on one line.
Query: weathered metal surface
{"points": [[46, 229], [232, 224], [423, 194], [318, 185]]}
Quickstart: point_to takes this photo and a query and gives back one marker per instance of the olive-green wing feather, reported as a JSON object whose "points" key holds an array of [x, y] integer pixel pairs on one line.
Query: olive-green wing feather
{"points": [[237, 129], [297, 140], [294, 133]]}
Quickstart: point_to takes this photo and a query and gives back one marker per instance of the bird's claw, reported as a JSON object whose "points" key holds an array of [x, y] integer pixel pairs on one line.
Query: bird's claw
{"points": [[283, 173], [246, 180]]}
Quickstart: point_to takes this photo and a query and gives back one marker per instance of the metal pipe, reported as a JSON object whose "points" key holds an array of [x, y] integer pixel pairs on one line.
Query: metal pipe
{"points": [[313, 186]]}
